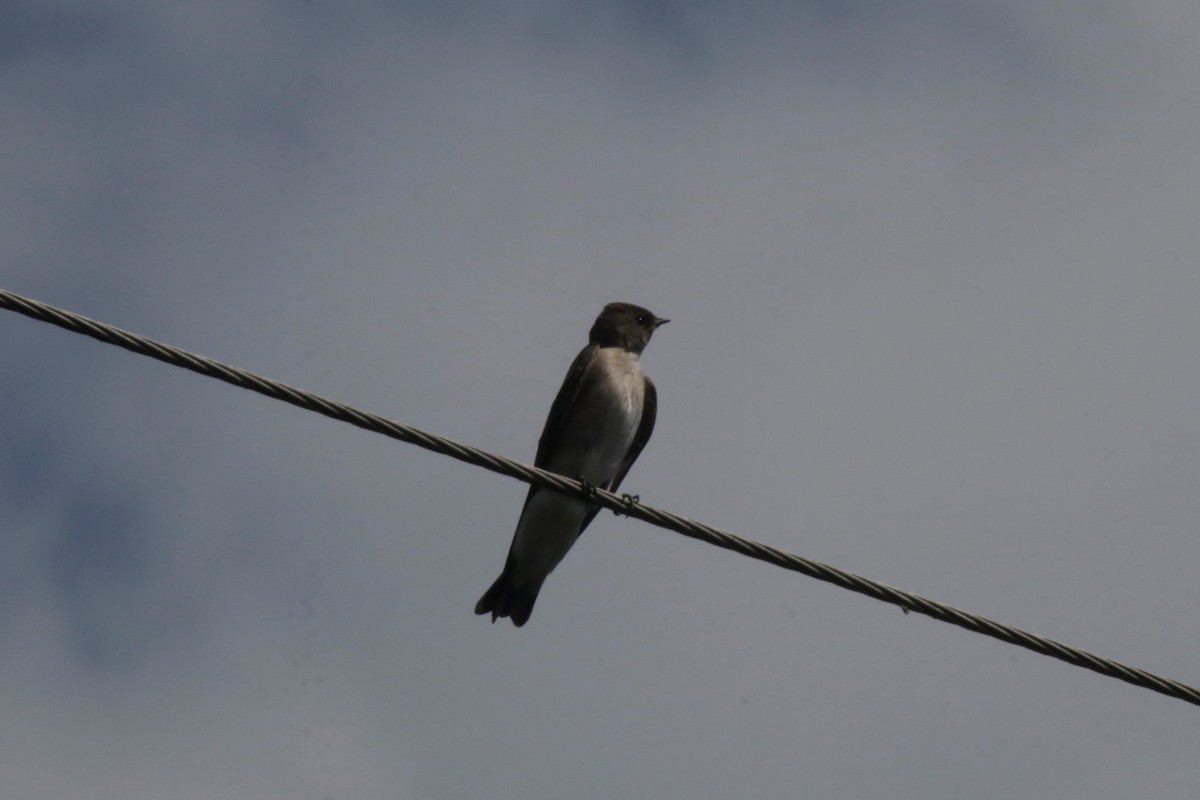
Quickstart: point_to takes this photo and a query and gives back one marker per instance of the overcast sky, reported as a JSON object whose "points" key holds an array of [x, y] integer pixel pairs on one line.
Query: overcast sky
{"points": [[932, 271]]}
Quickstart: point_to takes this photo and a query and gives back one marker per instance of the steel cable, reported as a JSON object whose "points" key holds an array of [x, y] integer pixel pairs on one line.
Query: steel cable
{"points": [[626, 505]]}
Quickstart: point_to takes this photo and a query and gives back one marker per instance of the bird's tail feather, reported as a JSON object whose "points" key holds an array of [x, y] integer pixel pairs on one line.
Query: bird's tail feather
{"points": [[505, 599]]}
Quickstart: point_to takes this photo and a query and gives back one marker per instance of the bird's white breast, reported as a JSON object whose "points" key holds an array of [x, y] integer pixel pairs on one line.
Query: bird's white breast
{"points": [[624, 381], [624, 389]]}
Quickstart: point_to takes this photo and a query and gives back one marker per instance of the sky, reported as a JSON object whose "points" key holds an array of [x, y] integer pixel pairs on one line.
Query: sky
{"points": [[931, 271]]}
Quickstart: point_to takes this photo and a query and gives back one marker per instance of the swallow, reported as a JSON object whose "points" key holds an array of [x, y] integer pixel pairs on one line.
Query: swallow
{"points": [[598, 424]]}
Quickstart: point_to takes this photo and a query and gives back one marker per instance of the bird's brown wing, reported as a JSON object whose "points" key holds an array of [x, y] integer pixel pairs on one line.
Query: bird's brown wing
{"points": [[560, 411]]}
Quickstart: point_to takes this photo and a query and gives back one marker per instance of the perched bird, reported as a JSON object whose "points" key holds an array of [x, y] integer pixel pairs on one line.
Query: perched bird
{"points": [[599, 423]]}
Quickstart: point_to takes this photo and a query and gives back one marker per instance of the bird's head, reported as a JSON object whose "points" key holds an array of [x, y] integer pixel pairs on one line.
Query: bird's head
{"points": [[626, 326]]}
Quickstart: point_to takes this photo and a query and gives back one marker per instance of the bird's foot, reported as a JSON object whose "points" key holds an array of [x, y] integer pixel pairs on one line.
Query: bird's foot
{"points": [[628, 501], [587, 488]]}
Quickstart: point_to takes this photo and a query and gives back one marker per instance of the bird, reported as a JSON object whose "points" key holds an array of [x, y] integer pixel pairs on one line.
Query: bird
{"points": [[598, 424]]}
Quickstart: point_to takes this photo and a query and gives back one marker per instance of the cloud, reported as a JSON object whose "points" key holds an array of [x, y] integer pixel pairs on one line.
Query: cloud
{"points": [[929, 270]]}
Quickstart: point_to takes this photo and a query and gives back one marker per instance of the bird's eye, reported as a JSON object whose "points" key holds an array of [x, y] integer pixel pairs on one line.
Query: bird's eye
{"points": [[642, 319]]}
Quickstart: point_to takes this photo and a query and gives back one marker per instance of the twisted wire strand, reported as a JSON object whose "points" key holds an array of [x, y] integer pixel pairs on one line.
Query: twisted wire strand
{"points": [[626, 505]]}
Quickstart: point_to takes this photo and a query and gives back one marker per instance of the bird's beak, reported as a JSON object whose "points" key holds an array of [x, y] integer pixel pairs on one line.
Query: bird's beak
{"points": [[658, 322]]}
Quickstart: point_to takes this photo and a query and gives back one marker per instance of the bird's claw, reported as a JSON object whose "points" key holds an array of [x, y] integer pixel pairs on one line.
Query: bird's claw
{"points": [[628, 501], [587, 488]]}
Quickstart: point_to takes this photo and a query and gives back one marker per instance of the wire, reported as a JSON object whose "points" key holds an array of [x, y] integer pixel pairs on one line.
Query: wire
{"points": [[621, 504]]}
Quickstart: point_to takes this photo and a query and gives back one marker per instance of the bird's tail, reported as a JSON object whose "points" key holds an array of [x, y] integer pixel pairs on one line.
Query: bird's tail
{"points": [[505, 599]]}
